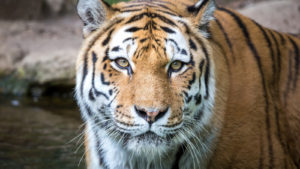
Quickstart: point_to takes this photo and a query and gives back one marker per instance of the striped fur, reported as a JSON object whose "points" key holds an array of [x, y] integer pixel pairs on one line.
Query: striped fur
{"points": [[232, 103]]}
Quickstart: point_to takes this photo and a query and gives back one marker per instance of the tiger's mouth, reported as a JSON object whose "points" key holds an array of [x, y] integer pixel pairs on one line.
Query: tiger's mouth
{"points": [[146, 142], [150, 138]]}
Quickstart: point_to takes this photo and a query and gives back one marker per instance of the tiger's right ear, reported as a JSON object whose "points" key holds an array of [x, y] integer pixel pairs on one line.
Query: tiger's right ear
{"points": [[202, 13], [93, 13]]}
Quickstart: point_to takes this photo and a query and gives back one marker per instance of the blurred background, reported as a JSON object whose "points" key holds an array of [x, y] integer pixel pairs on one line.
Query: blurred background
{"points": [[40, 125]]}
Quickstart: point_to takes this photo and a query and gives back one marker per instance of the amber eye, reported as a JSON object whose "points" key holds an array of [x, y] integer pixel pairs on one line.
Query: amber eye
{"points": [[122, 63], [176, 66]]}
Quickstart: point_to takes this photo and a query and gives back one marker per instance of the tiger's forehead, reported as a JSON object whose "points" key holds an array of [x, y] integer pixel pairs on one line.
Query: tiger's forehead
{"points": [[170, 7], [148, 30]]}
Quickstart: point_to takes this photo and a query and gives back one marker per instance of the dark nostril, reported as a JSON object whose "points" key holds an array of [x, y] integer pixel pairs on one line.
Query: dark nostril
{"points": [[141, 113], [161, 114]]}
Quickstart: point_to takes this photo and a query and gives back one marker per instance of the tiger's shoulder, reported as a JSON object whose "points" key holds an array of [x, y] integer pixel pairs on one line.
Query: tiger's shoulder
{"points": [[262, 60]]}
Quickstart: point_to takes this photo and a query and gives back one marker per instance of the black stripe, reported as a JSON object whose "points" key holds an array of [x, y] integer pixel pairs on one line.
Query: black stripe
{"points": [[192, 45], [198, 99], [188, 99], [267, 39], [94, 59], [290, 78], [201, 71], [116, 49], [191, 60], [296, 57], [199, 115], [169, 13], [278, 55], [143, 5], [282, 40], [101, 33], [278, 129], [100, 152], [88, 110], [166, 29], [97, 93], [175, 43], [127, 39], [84, 73], [165, 7], [91, 95], [206, 75], [227, 41], [143, 40], [131, 10], [152, 15], [201, 66], [185, 94], [103, 79], [157, 6], [187, 29], [134, 5], [193, 79], [277, 113], [179, 153], [183, 52], [133, 29], [259, 64], [107, 39], [166, 20], [106, 55], [207, 67]]}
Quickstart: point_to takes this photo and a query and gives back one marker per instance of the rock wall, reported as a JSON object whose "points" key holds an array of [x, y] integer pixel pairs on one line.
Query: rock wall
{"points": [[34, 9]]}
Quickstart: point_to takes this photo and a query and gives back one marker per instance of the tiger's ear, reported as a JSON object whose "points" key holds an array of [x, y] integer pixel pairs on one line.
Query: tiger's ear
{"points": [[203, 13], [93, 13]]}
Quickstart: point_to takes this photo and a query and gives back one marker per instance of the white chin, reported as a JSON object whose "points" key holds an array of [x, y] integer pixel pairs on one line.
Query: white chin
{"points": [[147, 143]]}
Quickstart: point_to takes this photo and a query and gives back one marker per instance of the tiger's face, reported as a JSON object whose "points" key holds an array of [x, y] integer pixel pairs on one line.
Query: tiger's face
{"points": [[142, 79]]}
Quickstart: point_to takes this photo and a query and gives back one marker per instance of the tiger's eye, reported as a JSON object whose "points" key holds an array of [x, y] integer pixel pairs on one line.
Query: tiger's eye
{"points": [[176, 65], [122, 62]]}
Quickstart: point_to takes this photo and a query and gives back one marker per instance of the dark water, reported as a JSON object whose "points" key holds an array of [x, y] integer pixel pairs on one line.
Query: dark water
{"points": [[40, 134]]}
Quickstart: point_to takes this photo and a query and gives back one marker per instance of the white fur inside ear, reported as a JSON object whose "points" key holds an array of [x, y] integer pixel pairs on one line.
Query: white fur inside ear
{"points": [[206, 16], [197, 5], [209, 12], [92, 13]]}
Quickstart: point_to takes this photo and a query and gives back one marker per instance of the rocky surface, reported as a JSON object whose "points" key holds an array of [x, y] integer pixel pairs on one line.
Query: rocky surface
{"points": [[44, 51], [283, 16], [39, 52], [34, 9]]}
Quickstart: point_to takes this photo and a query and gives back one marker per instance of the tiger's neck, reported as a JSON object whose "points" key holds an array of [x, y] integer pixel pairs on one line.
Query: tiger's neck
{"points": [[105, 153]]}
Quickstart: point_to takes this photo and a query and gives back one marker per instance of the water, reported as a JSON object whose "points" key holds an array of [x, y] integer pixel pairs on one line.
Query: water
{"points": [[40, 134]]}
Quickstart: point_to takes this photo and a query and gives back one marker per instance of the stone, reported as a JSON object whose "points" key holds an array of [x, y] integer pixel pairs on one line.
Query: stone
{"points": [[283, 16], [20, 9], [40, 52]]}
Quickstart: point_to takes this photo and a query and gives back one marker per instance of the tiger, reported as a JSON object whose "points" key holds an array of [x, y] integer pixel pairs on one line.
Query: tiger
{"points": [[183, 84]]}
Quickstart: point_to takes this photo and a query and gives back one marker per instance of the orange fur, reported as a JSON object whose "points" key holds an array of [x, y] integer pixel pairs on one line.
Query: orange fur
{"points": [[257, 95]]}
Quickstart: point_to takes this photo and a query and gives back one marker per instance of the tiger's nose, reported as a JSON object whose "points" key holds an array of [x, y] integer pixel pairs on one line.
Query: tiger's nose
{"points": [[150, 115]]}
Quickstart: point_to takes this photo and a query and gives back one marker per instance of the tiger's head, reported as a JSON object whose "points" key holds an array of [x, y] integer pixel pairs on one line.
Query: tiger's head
{"points": [[144, 74]]}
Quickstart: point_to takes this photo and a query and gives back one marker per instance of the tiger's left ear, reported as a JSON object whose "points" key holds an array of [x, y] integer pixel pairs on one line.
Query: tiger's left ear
{"points": [[93, 14], [203, 13]]}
